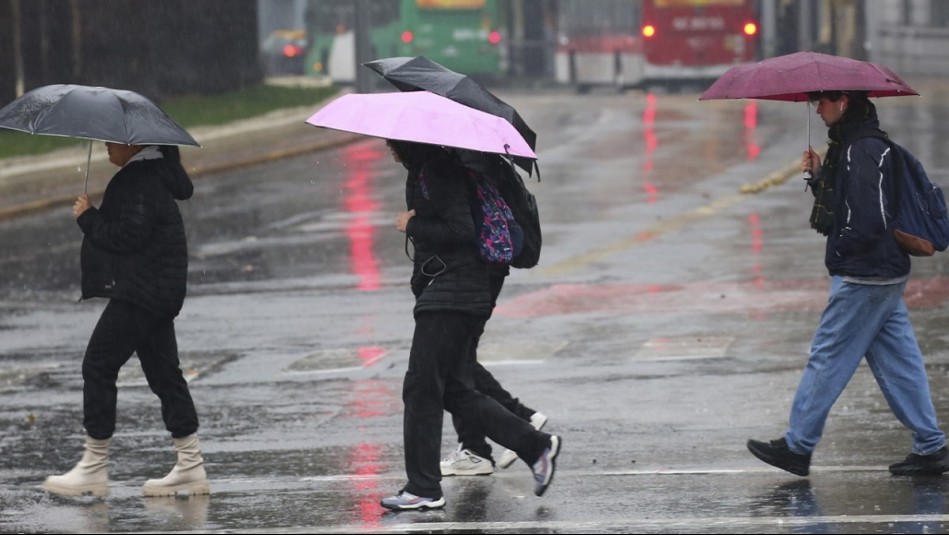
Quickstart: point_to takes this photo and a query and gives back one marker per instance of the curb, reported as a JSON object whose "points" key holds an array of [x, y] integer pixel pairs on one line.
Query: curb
{"points": [[40, 205], [777, 177]]}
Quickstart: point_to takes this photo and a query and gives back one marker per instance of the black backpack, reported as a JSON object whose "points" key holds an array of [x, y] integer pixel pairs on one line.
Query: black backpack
{"points": [[524, 207]]}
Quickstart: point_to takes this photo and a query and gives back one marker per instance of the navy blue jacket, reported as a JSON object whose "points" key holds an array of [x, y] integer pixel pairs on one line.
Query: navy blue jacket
{"points": [[861, 243]]}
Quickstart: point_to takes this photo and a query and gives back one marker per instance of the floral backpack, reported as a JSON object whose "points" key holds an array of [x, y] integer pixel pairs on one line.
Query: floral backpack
{"points": [[498, 237]]}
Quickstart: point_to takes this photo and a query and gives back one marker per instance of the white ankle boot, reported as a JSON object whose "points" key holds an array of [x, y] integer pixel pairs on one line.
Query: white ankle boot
{"points": [[88, 476], [187, 475]]}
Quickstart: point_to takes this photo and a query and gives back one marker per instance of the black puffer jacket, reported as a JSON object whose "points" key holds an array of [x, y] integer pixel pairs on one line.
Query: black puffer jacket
{"points": [[447, 275], [134, 248]]}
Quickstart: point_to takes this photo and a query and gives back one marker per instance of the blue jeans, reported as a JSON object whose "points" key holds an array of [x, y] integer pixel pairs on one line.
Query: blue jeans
{"points": [[860, 321]]}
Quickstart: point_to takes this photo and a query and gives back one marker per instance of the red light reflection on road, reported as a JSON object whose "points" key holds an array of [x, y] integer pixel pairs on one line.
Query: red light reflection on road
{"points": [[365, 460], [370, 399], [742, 298], [369, 355], [652, 143], [757, 245], [358, 201], [751, 125]]}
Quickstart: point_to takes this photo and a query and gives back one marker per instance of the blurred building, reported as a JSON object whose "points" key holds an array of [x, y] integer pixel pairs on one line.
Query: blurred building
{"points": [[909, 36], [157, 48]]}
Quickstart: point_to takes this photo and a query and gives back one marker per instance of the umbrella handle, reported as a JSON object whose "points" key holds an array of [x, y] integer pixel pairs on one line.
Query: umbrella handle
{"points": [[807, 174], [88, 162]]}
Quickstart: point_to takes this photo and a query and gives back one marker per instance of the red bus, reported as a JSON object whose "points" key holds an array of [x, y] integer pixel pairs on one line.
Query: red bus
{"points": [[687, 40], [630, 43]]}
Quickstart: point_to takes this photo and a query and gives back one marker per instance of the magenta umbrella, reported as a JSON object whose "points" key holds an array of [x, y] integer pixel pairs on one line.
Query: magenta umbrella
{"points": [[422, 117], [792, 76]]}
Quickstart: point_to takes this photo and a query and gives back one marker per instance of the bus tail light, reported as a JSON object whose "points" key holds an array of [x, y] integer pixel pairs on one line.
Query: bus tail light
{"points": [[649, 30], [494, 37], [292, 51], [407, 36], [750, 29]]}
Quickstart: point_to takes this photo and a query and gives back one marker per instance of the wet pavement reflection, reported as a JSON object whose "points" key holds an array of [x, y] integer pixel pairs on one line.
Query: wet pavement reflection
{"points": [[668, 322]]}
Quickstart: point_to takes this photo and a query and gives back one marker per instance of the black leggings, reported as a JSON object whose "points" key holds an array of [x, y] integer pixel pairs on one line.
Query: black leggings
{"points": [[124, 329], [470, 435]]}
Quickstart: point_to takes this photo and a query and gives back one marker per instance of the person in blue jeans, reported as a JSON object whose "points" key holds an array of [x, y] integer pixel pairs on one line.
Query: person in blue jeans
{"points": [[865, 317]]}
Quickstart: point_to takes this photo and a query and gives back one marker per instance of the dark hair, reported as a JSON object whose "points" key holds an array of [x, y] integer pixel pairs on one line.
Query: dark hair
{"points": [[414, 154], [834, 96]]}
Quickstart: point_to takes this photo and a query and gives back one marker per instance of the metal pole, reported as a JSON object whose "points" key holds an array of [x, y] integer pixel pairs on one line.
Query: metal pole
{"points": [[363, 47], [19, 86], [88, 162], [768, 27], [807, 174]]}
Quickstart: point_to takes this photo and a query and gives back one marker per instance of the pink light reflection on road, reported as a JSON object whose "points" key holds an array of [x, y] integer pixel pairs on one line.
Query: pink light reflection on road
{"points": [[370, 399], [359, 202], [751, 126], [652, 143]]}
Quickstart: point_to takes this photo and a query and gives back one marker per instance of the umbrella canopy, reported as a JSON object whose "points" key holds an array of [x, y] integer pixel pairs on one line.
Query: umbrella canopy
{"points": [[420, 73], [792, 76], [422, 117], [95, 113]]}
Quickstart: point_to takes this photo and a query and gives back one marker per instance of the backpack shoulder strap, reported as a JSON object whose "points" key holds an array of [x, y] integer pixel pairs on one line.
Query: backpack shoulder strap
{"points": [[898, 165]]}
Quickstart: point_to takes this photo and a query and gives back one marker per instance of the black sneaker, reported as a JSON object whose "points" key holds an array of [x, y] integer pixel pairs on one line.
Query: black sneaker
{"points": [[776, 453], [933, 464]]}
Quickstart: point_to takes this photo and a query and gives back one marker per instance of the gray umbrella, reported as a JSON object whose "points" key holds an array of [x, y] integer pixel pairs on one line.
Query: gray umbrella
{"points": [[94, 113]]}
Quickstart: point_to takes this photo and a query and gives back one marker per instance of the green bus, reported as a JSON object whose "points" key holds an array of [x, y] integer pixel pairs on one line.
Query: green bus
{"points": [[468, 36]]}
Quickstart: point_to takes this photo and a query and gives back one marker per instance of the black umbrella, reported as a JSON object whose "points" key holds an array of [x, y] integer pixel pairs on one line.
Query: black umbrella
{"points": [[421, 73], [94, 113]]}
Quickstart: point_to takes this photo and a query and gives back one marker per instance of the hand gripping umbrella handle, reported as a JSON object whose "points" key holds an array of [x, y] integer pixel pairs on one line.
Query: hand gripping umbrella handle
{"points": [[807, 174]]}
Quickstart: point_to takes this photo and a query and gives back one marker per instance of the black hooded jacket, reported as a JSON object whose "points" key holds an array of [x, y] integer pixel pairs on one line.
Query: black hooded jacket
{"points": [[863, 174], [134, 247], [447, 274]]}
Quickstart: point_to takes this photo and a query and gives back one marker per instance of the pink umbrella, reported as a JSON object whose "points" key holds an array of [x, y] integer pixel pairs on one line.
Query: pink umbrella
{"points": [[792, 76], [422, 117]]}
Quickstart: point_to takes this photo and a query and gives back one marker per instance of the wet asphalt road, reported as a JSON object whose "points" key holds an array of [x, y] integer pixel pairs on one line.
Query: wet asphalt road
{"points": [[668, 322]]}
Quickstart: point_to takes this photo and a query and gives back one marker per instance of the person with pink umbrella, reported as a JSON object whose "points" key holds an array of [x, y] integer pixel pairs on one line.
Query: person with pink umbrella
{"points": [[452, 300]]}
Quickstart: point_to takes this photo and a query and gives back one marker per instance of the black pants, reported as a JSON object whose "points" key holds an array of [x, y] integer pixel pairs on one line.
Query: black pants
{"points": [[470, 436], [124, 329], [439, 378]]}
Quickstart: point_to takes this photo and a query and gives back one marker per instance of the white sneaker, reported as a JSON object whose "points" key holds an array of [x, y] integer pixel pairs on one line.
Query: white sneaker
{"points": [[463, 462], [538, 420]]}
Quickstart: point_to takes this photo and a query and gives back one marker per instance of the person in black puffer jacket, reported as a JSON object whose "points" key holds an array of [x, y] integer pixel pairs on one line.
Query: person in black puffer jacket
{"points": [[135, 254], [453, 298]]}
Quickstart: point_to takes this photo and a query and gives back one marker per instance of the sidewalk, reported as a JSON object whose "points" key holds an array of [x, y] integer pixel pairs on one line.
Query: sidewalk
{"points": [[32, 183]]}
